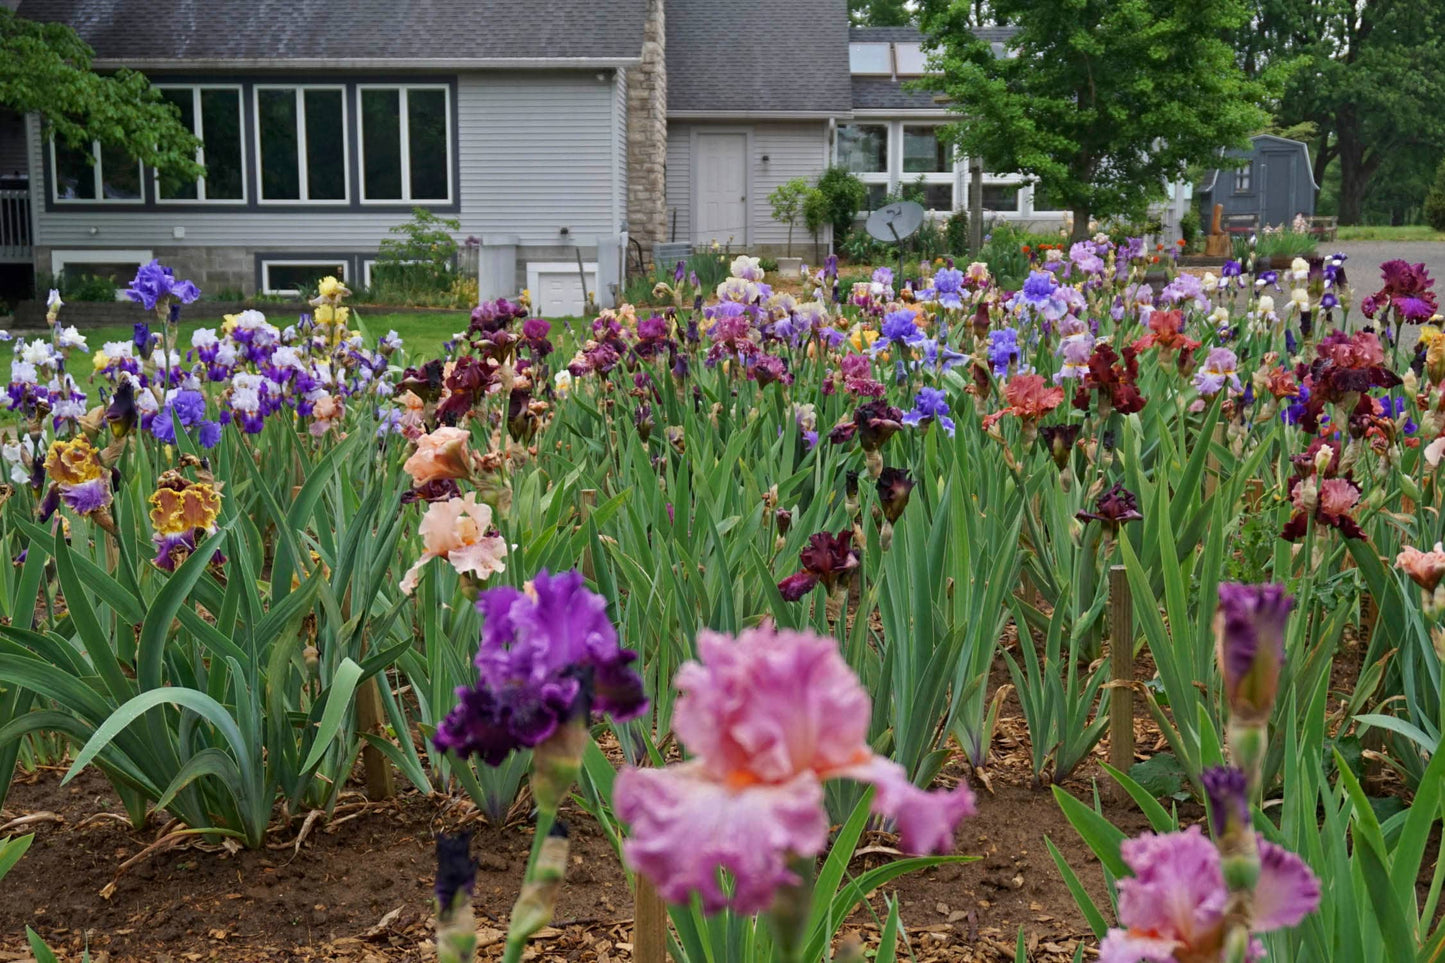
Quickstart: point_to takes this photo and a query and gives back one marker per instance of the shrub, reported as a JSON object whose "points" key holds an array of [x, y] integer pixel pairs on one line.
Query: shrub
{"points": [[844, 195], [78, 286], [1189, 227], [1435, 200], [955, 232], [416, 264]]}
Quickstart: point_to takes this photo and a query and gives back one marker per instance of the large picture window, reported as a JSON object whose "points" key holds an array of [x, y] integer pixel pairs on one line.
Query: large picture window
{"points": [[98, 175], [301, 140], [214, 115], [406, 143], [863, 148], [924, 152]]}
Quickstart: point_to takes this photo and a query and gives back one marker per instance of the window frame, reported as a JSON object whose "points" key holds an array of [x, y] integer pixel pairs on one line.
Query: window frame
{"points": [[1244, 179], [330, 266], [403, 99], [99, 182], [883, 178], [944, 178], [200, 123], [302, 145]]}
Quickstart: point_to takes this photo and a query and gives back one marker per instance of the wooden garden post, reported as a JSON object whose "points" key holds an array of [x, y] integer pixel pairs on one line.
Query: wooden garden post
{"points": [[370, 717], [589, 499], [649, 924], [1121, 661]]}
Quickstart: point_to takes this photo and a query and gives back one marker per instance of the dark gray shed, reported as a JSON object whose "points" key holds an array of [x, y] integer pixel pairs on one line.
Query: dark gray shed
{"points": [[1276, 184]]}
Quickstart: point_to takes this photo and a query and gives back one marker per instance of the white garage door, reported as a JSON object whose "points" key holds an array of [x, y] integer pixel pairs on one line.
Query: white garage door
{"points": [[557, 290]]}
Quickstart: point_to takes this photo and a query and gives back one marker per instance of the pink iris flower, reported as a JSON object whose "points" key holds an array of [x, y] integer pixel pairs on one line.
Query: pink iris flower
{"points": [[768, 716], [460, 531], [1172, 908]]}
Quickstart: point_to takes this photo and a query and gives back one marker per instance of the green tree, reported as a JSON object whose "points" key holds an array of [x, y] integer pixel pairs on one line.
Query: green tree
{"points": [[789, 202], [1366, 74], [45, 69], [880, 13], [1435, 200], [1103, 101]]}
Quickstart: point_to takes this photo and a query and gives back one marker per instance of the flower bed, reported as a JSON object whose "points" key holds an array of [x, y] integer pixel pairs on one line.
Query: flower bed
{"points": [[767, 547]]}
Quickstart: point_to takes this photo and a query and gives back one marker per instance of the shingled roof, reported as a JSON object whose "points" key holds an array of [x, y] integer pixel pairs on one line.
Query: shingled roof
{"points": [[757, 56], [247, 33]]}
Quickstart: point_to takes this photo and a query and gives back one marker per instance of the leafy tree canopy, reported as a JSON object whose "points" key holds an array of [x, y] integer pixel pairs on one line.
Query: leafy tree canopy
{"points": [[45, 68], [880, 13], [1104, 101], [1366, 74]]}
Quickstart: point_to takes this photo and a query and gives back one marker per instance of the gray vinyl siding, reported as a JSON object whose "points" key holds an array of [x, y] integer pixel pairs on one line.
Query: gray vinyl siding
{"points": [[679, 181], [535, 153], [793, 149], [619, 142]]}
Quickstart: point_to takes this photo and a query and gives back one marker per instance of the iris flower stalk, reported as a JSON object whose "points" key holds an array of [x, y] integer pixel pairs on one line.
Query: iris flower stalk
{"points": [[456, 878], [549, 656]]}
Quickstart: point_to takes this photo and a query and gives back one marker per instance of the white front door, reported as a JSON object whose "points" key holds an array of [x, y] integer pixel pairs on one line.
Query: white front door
{"points": [[722, 189]]}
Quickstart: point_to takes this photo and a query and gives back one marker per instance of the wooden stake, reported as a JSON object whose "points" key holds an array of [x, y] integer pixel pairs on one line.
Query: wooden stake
{"points": [[589, 500], [380, 781], [649, 924], [1211, 463], [1121, 660], [1254, 494], [370, 718]]}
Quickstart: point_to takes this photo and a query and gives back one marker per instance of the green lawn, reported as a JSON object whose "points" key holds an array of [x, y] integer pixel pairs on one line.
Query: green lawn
{"points": [[1411, 232], [422, 334]]}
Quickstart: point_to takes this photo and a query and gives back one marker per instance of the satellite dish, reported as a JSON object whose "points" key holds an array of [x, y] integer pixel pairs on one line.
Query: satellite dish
{"points": [[894, 222]]}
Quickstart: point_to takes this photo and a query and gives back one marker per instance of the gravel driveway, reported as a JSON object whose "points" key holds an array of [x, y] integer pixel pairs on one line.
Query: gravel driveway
{"points": [[1363, 267]]}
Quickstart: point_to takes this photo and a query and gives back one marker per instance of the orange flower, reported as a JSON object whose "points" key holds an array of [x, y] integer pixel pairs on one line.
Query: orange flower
{"points": [[441, 454], [1425, 569], [1029, 398]]}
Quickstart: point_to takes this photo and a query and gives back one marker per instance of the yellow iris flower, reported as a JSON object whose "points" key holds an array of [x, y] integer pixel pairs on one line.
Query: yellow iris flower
{"points": [[73, 462], [176, 512]]}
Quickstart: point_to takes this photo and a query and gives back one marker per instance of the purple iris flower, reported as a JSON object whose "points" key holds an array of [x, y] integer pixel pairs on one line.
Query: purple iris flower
{"points": [[87, 497], [1231, 269], [898, 327], [1003, 349], [545, 658], [930, 405], [1250, 629], [141, 336], [948, 287], [154, 283], [210, 434]]}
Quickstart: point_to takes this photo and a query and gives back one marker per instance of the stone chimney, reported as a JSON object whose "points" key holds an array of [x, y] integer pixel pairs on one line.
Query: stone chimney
{"points": [[647, 134]]}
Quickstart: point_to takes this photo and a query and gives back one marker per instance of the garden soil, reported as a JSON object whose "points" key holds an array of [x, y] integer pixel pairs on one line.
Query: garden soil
{"points": [[357, 888]]}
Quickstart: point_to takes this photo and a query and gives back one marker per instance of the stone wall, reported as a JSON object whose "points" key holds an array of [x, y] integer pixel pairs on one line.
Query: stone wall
{"points": [[647, 134]]}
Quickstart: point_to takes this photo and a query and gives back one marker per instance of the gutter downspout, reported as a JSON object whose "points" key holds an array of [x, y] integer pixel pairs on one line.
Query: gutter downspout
{"points": [[828, 142]]}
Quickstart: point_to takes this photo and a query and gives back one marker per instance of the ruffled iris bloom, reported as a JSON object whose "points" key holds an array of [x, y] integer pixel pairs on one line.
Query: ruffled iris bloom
{"points": [[1172, 909], [948, 287], [548, 655], [1003, 350], [930, 405], [155, 284], [768, 717], [827, 560]]}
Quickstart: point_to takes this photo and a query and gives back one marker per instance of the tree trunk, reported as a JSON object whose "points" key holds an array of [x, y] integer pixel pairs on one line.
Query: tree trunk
{"points": [[1353, 175], [1081, 225]]}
